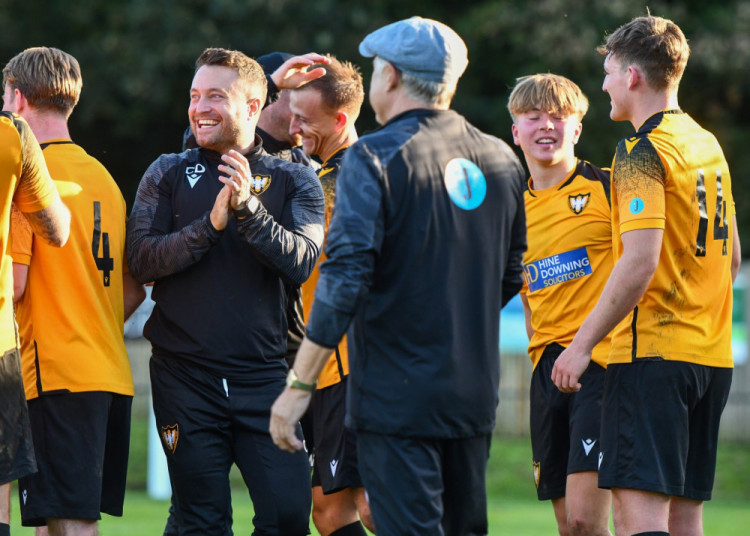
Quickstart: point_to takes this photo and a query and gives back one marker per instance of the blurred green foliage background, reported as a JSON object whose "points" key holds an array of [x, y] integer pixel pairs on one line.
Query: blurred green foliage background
{"points": [[137, 58]]}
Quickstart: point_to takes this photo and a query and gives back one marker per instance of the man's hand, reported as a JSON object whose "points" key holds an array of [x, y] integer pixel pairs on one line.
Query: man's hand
{"points": [[238, 177], [285, 414], [569, 367], [293, 72], [222, 210]]}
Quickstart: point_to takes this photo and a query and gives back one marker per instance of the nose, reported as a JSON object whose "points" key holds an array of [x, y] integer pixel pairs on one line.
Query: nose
{"points": [[547, 123]]}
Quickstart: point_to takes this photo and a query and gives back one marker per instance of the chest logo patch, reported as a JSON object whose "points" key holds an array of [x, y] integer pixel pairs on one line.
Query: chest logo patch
{"points": [[557, 269], [193, 173], [260, 184], [170, 435], [578, 202], [465, 183]]}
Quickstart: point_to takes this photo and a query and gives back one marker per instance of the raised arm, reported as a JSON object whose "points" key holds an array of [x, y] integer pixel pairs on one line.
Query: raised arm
{"points": [[153, 250]]}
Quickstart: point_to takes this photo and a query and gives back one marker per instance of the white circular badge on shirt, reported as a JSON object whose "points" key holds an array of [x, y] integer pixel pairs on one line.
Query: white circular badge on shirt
{"points": [[465, 183]]}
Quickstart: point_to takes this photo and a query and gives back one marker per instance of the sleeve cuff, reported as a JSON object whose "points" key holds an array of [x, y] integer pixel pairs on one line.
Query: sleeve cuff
{"points": [[327, 325]]}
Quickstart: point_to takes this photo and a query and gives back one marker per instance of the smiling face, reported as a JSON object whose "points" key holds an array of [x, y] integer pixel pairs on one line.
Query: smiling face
{"points": [[315, 124], [547, 139], [616, 82], [220, 112]]}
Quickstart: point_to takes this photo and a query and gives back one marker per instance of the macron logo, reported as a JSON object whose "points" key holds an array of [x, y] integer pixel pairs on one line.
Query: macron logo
{"points": [[193, 173], [588, 444], [334, 465], [601, 457]]}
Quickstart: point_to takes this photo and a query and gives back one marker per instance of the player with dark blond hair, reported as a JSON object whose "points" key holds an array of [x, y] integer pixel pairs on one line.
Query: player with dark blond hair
{"points": [[566, 265], [669, 297], [72, 303]]}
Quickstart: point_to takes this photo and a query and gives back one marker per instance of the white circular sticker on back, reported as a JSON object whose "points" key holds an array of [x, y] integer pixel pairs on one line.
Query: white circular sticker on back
{"points": [[465, 183]]}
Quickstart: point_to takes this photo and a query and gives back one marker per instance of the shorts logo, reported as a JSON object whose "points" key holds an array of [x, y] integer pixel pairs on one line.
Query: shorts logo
{"points": [[465, 183], [601, 457], [557, 269], [537, 471], [193, 173], [25, 496], [334, 465], [588, 444], [260, 184], [578, 202], [170, 435]]}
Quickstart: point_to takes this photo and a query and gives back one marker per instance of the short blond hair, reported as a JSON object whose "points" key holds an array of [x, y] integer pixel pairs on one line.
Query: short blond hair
{"points": [[549, 93], [654, 44], [48, 78]]}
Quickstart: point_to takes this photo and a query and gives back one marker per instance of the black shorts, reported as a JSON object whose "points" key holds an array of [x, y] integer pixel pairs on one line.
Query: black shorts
{"points": [[564, 426], [16, 446], [425, 486], [335, 452], [82, 442], [206, 423], [661, 427]]}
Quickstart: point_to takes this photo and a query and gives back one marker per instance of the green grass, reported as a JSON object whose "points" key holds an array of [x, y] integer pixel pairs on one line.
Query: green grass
{"points": [[512, 505]]}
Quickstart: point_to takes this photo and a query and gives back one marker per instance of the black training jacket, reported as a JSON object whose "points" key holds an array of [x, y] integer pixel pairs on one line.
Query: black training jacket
{"points": [[220, 296]]}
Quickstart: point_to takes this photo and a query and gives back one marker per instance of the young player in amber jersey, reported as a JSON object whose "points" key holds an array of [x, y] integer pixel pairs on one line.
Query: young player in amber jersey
{"points": [[566, 264], [669, 294]]}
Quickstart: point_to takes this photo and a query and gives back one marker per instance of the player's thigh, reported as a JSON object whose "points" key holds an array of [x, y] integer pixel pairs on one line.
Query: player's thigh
{"points": [[192, 419], [705, 417], [586, 504], [549, 427], [645, 427]]}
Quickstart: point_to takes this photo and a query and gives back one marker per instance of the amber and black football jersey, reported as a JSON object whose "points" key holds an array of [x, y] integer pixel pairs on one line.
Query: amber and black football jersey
{"points": [[27, 184], [337, 365], [71, 315], [672, 175], [569, 256]]}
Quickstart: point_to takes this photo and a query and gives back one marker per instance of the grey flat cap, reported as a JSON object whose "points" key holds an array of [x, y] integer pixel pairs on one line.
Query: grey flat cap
{"points": [[424, 48]]}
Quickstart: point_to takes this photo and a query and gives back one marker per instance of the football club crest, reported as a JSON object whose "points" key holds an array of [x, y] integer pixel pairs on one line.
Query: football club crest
{"points": [[260, 184], [170, 435], [578, 202], [537, 470]]}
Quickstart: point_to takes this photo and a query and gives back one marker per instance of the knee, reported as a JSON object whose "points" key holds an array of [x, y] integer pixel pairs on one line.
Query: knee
{"points": [[583, 526], [365, 516]]}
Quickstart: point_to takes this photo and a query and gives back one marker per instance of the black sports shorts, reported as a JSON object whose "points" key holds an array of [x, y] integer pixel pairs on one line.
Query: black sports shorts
{"points": [[82, 442], [335, 453], [564, 426], [16, 446], [661, 426]]}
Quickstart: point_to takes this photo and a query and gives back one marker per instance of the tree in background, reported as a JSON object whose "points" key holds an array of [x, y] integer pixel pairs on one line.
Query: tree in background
{"points": [[137, 56]]}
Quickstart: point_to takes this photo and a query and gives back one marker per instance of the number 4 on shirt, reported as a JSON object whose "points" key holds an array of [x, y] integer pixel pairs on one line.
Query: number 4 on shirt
{"points": [[105, 263], [721, 229]]}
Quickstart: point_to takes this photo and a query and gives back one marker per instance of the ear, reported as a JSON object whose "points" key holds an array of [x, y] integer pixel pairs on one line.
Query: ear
{"points": [[392, 77], [254, 107], [514, 130], [20, 101], [577, 133], [341, 120], [635, 76]]}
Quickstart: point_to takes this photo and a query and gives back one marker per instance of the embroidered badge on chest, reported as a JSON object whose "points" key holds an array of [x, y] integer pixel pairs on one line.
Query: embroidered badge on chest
{"points": [[260, 184], [578, 202]]}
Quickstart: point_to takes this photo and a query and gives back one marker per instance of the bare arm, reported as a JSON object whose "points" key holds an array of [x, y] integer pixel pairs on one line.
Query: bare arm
{"points": [[626, 284], [736, 249], [20, 274], [51, 224], [292, 403], [133, 294]]}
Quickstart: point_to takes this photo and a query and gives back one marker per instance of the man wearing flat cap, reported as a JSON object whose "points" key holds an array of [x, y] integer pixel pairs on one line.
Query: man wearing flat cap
{"points": [[424, 249]]}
